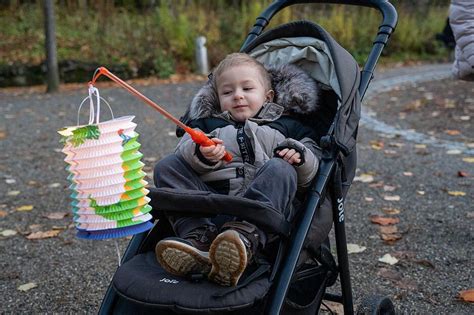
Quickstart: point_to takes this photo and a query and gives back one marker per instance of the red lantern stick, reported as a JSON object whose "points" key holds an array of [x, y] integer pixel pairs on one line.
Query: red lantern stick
{"points": [[197, 136]]}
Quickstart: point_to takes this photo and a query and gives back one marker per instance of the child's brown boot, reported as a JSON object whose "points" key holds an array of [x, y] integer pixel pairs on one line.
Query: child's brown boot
{"points": [[232, 251], [187, 255]]}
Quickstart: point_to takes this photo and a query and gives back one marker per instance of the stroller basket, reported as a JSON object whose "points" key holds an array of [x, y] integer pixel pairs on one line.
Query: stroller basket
{"points": [[295, 278]]}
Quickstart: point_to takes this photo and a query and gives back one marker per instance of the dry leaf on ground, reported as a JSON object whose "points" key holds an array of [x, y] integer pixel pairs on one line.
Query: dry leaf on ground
{"points": [[25, 208], [392, 198], [388, 259], [468, 159], [456, 193], [452, 132], [354, 248], [391, 210], [378, 219], [13, 193], [391, 238], [3, 214], [27, 286], [463, 174], [376, 145], [7, 233], [56, 215], [42, 235], [407, 173], [364, 178], [467, 295], [407, 284]]}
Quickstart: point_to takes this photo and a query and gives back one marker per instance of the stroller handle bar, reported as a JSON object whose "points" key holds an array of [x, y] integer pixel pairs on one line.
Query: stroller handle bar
{"points": [[389, 22]]}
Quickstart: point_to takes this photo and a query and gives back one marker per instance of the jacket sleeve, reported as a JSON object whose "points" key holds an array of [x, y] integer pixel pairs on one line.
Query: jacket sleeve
{"points": [[461, 19], [189, 151], [310, 155]]}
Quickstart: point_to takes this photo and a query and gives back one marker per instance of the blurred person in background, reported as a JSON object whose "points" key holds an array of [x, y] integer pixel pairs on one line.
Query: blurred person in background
{"points": [[461, 19]]}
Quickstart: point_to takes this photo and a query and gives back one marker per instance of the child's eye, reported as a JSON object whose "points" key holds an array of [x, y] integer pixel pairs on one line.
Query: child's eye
{"points": [[248, 88], [226, 92]]}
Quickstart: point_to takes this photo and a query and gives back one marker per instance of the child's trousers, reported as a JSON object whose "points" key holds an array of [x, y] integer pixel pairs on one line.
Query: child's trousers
{"points": [[275, 184]]}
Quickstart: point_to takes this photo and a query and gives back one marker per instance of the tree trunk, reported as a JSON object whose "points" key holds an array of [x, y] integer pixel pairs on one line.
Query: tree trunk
{"points": [[50, 45]]}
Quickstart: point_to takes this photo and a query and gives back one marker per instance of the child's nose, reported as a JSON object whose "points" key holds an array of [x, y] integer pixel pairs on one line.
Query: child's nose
{"points": [[238, 94]]}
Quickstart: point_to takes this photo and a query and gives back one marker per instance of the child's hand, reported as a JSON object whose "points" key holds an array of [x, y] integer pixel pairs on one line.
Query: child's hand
{"points": [[213, 153], [290, 155]]}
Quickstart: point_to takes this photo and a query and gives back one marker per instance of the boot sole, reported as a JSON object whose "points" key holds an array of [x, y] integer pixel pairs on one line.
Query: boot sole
{"points": [[228, 257], [181, 259]]}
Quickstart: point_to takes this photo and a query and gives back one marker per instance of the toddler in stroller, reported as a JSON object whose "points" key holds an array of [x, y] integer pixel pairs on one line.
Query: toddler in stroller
{"points": [[273, 154], [299, 266]]}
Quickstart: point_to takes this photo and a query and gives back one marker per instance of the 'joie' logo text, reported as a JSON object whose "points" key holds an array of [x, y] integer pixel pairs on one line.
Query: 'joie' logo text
{"points": [[172, 281], [340, 208]]}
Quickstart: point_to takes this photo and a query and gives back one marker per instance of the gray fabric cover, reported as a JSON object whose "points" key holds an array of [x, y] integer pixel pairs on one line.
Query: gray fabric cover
{"points": [[345, 67], [461, 18]]}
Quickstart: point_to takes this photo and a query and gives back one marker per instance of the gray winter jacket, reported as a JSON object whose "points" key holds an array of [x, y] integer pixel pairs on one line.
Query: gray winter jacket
{"points": [[461, 18], [253, 143]]}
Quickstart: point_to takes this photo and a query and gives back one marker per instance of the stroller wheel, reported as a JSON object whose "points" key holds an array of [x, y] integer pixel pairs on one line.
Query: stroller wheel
{"points": [[376, 305]]}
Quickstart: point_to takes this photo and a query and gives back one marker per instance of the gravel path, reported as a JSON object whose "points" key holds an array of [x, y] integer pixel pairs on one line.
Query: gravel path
{"points": [[71, 275]]}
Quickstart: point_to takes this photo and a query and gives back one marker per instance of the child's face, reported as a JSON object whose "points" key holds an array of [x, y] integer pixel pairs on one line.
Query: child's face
{"points": [[241, 92]]}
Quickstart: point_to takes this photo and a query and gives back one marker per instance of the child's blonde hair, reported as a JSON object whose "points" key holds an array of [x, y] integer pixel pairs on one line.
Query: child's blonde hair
{"points": [[238, 59]]}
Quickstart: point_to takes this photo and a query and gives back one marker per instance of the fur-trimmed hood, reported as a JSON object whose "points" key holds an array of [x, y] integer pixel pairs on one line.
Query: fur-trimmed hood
{"points": [[296, 91]]}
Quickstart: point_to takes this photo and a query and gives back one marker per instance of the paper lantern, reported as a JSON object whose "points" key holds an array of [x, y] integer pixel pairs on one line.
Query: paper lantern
{"points": [[107, 179]]}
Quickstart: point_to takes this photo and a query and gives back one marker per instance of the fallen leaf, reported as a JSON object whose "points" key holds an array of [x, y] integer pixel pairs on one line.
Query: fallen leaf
{"points": [[377, 219], [392, 198], [453, 152], [470, 215], [376, 185], [13, 193], [3, 134], [389, 274], [420, 192], [369, 199], [388, 229], [25, 208], [389, 152], [7, 233], [27, 286], [10, 181], [43, 235], [388, 259], [390, 238], [456, 193], [452, 132], [3, 214], [463, 174], [396, 144], [468, 160], [404, 254], [467, 295], [391, 210], [389, 188], [407, 173], [54, 185], [354, 248], [376, 145], [364, 178], [420, 146], [56, 215]]}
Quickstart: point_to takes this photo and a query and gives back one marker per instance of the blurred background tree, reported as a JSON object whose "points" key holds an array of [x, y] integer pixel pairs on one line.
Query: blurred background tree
{"points": [[139, 38]]}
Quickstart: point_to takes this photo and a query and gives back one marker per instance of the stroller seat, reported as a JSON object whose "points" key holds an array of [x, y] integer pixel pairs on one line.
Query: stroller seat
{"points": [[294, 277], [143, 281]]}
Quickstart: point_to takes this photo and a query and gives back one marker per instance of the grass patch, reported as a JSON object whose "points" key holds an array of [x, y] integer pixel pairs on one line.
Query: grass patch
{"points": [[160, 40]]}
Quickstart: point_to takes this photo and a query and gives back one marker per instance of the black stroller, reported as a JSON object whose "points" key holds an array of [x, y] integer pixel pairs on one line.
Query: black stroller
{"points": [[294, 278]]}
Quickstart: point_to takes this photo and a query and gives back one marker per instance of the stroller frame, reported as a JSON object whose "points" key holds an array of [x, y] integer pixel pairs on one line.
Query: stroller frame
{"points": [[328, 164], [329, 173]]}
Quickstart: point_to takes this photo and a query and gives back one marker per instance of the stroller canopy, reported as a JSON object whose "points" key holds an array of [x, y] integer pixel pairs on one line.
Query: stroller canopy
{"points": [[316, 52]]}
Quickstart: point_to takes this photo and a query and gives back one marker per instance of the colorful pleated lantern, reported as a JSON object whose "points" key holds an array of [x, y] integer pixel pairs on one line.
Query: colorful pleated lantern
{"points": [[107, 181]]}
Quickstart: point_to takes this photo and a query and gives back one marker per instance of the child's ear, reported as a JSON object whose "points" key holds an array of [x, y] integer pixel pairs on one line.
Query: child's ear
{"points": [[270, 95]]}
